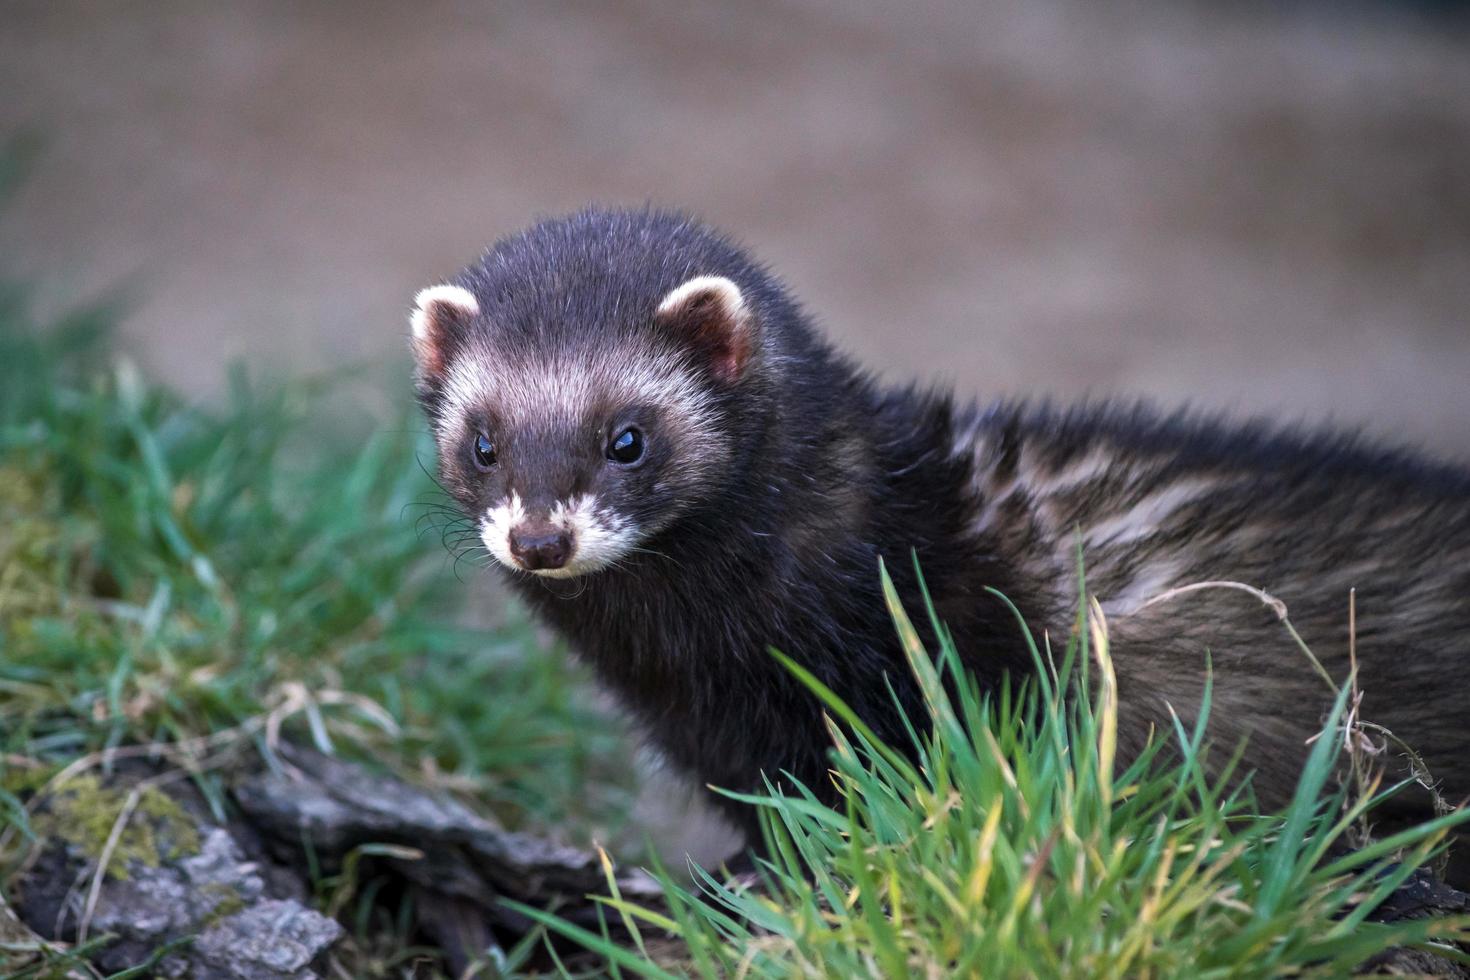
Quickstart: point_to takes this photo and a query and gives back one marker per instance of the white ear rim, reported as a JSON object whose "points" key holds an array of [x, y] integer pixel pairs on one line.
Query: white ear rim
{"points": [[457, 296], [728, 294]]}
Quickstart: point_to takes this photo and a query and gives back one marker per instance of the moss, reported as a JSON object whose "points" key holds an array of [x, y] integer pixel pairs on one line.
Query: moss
{"points": [[23, 780], [226, 900], [83, 811], [30, 548]]}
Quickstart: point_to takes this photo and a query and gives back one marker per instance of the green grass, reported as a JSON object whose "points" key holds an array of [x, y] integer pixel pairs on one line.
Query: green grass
{"points": [[189, 581], [1009, 847], [199, 579]]}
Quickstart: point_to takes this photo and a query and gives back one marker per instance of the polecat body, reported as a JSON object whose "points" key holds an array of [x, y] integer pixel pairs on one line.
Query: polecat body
{"points": [[677, 473]]}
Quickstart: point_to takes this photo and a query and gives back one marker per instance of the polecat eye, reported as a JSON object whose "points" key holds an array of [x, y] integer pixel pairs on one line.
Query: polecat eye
{"points": [[483, 452], [626, 447]]}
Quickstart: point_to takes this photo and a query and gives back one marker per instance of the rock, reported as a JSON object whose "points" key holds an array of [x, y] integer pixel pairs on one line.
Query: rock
{"points": [[267, 939], [183, 883]]}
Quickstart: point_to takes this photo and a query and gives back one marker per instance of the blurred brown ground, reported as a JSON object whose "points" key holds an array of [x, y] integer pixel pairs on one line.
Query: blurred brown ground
{"points": [[1264, 212]]}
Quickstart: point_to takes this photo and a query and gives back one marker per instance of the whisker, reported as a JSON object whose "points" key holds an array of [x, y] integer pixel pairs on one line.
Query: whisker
{"points": [[660, 554]]}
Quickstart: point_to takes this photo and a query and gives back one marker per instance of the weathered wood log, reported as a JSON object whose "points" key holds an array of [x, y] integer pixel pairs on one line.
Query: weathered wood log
{"points": [[1420, 897], [462, 866]]}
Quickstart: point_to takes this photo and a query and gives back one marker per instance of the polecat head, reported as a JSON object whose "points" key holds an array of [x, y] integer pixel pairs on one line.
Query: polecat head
{"points": [[584, 380]]}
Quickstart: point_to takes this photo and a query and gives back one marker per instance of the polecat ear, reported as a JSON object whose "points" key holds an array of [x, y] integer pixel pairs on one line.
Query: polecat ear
{"points": [[440, 316], [710, 314]]}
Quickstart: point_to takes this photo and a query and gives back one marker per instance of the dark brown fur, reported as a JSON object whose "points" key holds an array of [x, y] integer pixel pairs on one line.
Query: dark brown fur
{"points": [[806, 473]]}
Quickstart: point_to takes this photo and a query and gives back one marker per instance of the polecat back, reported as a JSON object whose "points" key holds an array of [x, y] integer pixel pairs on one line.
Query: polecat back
{"points": [[677, 472]]}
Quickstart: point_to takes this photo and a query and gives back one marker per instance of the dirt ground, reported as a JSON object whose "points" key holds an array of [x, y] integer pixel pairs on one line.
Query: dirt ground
{"points": [[1267, 213]]}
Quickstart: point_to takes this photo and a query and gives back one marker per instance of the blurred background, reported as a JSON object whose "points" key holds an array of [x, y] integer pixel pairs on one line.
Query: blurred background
{"points": [[1261, 208]]}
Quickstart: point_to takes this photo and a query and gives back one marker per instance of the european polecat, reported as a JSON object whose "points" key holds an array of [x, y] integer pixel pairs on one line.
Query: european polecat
{"points": [[676, 472]]}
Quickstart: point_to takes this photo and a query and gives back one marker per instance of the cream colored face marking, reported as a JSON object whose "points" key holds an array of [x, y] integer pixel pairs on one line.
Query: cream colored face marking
{"points": [[598, 540], [495, 531], [523, 390], [726, 292], [564, 385], [421, 319]]}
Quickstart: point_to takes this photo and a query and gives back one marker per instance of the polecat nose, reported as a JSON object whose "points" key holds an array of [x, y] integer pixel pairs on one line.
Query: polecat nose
{"points": [[540, 548]]}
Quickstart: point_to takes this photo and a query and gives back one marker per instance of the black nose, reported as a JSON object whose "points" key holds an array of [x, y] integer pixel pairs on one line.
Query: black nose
{"points": [[538, 549]]}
